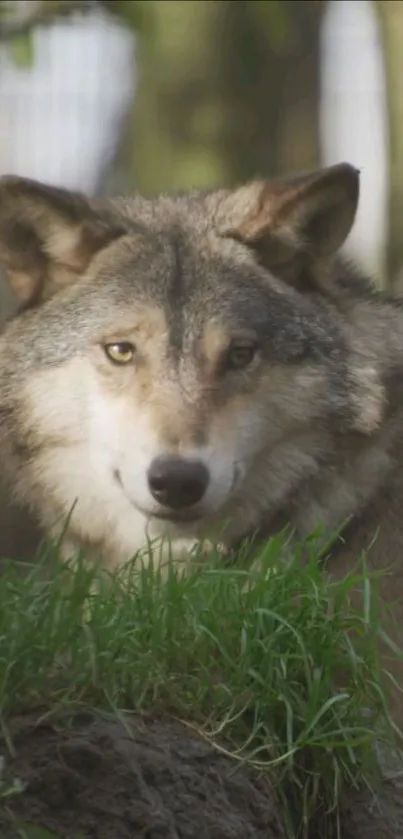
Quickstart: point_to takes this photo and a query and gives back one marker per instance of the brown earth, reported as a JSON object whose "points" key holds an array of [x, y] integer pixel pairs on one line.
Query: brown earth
{"points": [[378, 815], [95, 777], [98, 779]]}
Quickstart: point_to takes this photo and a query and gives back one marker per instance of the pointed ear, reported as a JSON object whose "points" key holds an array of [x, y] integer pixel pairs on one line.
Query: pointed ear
{"points": [[48, 236], [310, 215]]}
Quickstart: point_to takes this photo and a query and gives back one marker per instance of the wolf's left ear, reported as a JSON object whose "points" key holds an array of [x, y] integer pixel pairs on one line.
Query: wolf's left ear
{"points": [[311, 214], [48, 236]]}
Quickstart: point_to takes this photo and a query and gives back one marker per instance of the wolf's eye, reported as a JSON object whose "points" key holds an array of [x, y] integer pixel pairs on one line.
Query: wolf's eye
{"points": [[121, 352], [240, 356]]}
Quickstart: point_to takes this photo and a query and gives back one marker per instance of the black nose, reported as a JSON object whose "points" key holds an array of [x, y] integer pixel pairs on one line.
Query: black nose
{"points": [[177, 483]]}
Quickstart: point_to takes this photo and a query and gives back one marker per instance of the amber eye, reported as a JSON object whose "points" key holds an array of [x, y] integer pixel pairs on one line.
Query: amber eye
{"points": [[121, 352], [240, 356]]}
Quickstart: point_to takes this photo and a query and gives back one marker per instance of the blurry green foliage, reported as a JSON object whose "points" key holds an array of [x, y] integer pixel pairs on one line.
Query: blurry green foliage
{"points": [[228, 89], [139, 15], [22, 47]]}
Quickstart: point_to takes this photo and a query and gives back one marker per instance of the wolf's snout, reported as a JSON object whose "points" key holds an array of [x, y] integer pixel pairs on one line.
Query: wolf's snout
{"points": [[177, 483]]}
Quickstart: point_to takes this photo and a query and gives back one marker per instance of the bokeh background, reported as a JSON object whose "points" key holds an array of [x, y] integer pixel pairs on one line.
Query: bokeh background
{"points": [[168, 94]]}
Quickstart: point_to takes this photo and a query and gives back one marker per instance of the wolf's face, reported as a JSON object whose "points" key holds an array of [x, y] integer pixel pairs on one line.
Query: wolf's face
{"points": [[166, 347]]}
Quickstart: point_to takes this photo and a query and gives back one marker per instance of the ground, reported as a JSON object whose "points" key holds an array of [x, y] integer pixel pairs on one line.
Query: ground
{"points": [[378, 815], [96, 778], [272, 665]]}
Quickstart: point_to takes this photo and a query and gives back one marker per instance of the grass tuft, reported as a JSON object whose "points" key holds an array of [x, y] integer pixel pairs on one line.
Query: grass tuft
{"points": [[273, 664]]}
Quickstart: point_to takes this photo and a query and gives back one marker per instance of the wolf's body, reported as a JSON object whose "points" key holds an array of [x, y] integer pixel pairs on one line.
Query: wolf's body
{"points": [[198, 366]]}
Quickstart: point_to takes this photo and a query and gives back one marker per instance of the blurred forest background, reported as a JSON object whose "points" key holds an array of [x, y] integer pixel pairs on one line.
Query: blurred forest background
{"points": [[168, 94]]}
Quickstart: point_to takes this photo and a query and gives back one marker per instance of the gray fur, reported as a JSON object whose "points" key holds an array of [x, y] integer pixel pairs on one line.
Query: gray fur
{"points": [[324, 394]]}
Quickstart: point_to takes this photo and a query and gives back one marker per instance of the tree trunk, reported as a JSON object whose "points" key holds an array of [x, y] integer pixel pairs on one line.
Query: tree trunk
{"points": [[228, 90], [391, 19]]}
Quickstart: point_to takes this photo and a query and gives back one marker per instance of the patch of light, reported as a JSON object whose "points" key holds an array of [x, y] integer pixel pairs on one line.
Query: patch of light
{"points": [[353, 118]]}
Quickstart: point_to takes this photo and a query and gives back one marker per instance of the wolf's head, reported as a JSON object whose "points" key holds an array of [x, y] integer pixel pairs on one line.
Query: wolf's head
{"points": [[163, 347]]}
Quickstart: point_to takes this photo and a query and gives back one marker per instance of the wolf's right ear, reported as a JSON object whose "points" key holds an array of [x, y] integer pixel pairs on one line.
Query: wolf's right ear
{"points": [[48, 236], [309, 215]]}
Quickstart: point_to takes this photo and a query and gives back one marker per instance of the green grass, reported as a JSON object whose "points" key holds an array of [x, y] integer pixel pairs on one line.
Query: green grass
{"points": [[272, 665]]}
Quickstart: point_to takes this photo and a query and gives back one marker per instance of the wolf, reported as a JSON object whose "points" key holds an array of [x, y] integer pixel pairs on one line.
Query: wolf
{"points": [[200, 366]]}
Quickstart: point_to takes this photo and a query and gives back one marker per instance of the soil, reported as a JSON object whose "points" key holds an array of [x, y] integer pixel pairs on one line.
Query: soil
{"points": [[97, 778], [93, 776], [375, 817], [379, 814]]}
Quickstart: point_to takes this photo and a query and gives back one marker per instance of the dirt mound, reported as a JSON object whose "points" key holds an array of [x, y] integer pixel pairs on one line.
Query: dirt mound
{"points": [[97, 778], [378, 814], [375, 817]]}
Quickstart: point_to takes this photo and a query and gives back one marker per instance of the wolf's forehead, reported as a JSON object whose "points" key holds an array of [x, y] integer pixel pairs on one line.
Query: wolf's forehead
{"points": [[194, 285], [188, 276], [167, 263]]}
